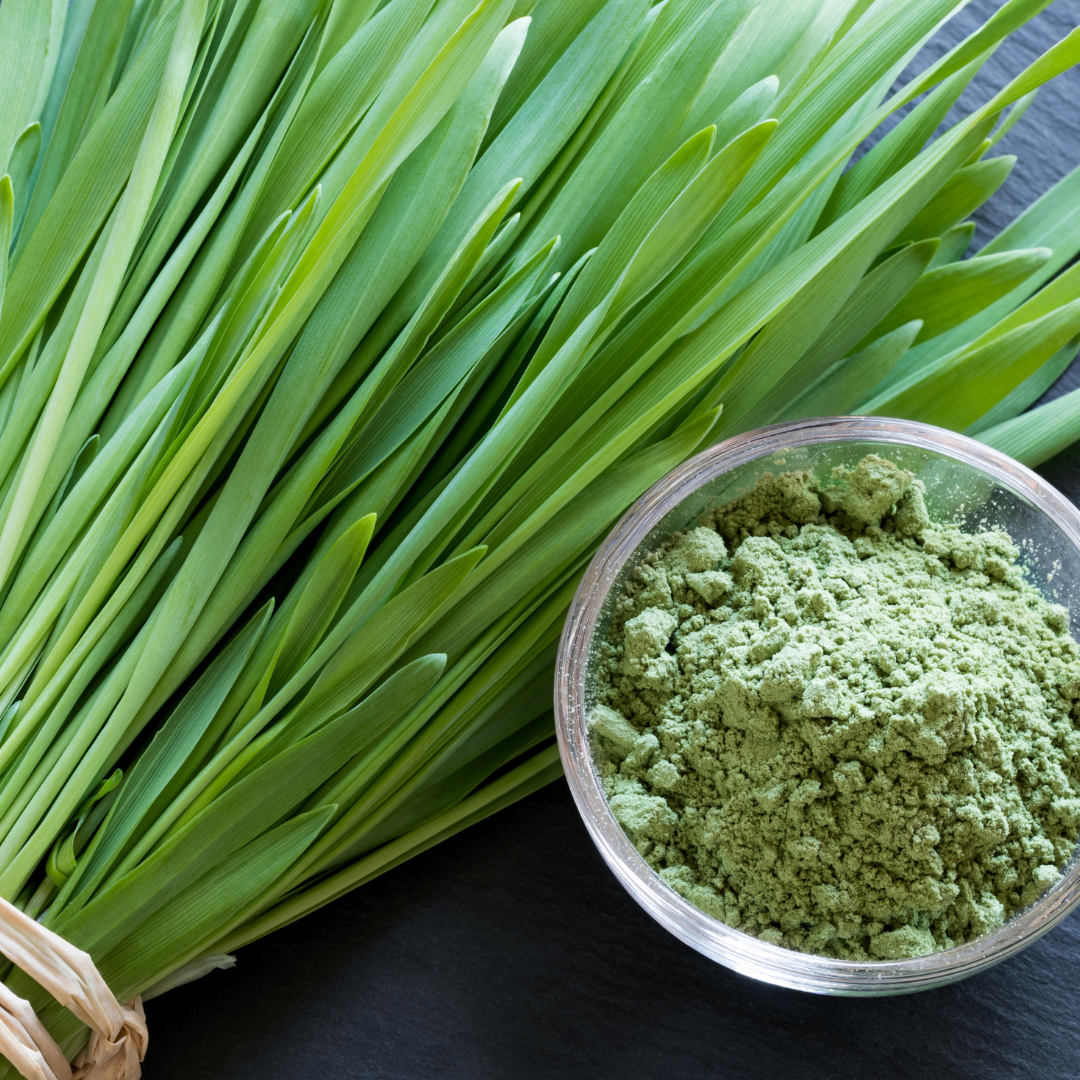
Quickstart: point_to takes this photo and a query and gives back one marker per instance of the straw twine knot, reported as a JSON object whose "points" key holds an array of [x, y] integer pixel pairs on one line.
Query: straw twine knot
{"points": [[118, 1035], [103, 1058]]}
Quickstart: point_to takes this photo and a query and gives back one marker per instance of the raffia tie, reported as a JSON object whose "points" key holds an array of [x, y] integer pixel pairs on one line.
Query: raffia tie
{"points": [[118, 1035]]}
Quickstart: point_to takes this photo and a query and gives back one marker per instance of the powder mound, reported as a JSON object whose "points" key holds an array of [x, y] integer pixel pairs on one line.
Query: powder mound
{"points": [[833, 724]]}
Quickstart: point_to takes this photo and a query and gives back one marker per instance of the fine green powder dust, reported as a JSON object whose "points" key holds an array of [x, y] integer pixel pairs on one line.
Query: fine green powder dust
{"points": [[833, 724]]}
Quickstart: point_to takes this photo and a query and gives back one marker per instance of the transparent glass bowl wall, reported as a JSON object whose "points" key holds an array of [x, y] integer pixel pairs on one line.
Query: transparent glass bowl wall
{"points": [[967, 483]]}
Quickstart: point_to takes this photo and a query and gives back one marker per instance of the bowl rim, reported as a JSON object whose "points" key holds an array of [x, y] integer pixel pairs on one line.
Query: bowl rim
{"points": [[728, 946]]}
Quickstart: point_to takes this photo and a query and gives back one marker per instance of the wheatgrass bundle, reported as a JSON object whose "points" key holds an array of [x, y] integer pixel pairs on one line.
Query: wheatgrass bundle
{"points": [[336, 335]]}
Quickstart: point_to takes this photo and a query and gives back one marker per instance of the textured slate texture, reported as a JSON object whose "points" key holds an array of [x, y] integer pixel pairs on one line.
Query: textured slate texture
{"points": [[511, 952]]}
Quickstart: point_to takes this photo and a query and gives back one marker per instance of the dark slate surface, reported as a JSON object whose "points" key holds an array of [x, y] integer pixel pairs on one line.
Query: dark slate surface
{"points": [[511, 952]]}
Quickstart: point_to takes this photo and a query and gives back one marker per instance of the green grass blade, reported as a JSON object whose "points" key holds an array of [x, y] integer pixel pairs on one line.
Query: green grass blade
{"points": [[897, 148], [154, 781], [539, 770], [27, 61], [948, 296], [959, 196], [531, 140], [840, 389], [873, 298], [988, 373], [7, 218], [614, 165], [322, 596], [1038, 435], [24, 156], [51, 251], [131, 212], [954, 245], [410, 214], [179, 930], [1029, 391], [83, 97]]}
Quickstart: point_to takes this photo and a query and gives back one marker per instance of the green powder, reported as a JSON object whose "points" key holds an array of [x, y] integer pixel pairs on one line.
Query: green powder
{"points": [[830, 723]]}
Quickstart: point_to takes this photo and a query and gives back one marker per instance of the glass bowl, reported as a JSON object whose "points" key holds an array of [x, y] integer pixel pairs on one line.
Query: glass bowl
{"points": [[967, 483]]}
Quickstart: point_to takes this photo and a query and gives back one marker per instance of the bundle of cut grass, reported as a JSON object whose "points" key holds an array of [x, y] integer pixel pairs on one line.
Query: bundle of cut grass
{"points": [[335, 337]]}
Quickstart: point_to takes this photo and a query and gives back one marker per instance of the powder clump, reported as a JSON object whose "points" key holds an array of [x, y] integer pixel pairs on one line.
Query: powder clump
{"points": [[833, 724]]}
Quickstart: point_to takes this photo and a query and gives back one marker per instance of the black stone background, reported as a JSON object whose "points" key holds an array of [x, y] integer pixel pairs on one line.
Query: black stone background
{"points": [[511, 952]]}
